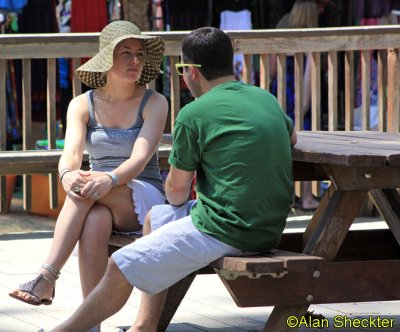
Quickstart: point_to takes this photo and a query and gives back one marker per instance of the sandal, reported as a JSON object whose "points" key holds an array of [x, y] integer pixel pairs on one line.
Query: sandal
{"points": [[29, 287]]}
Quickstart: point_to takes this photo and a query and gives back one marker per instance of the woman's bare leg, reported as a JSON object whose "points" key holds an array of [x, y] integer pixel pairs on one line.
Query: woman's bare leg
{"points": [[116, 208], [309, 202], [122, 208], [93, 247], [66, 234]]}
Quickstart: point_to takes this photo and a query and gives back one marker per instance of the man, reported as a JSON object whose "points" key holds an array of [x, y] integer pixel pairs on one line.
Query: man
{"points": [[237, 139]]}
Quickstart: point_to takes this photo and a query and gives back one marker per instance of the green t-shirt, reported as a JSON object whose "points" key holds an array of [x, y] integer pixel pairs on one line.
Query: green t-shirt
{"points": [[237, 138]]}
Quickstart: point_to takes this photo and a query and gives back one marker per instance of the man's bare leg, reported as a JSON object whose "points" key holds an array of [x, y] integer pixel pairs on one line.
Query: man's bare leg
{"points": [[105, 300], [149, 313], [151, 307]]}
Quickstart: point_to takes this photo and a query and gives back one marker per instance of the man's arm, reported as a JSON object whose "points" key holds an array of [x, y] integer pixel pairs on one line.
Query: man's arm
{"points": [[177, 185], [293, 138]]}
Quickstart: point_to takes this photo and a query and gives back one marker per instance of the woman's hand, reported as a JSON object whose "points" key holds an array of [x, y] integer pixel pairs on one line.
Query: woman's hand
{"points": [[73, 182], [98, 185]]}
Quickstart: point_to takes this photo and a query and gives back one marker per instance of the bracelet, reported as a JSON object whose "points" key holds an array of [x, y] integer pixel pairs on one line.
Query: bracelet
{"points": [[64, 171], [113, 178]]}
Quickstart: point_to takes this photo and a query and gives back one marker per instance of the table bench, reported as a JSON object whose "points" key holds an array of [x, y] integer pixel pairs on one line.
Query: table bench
{"points": [[282, 269], [28, 162], [273, 279]]}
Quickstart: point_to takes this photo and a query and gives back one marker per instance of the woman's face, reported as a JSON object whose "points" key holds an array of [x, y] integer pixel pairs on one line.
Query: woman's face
{"points": [[128, 60]]}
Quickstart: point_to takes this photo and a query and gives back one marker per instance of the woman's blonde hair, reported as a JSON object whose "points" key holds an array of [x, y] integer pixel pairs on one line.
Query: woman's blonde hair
{"points": [[304, 14]]}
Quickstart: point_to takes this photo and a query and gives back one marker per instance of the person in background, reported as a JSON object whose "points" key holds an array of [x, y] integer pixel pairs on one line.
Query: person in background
{"points": [[120, 123], [304, 14], [238, 140]]}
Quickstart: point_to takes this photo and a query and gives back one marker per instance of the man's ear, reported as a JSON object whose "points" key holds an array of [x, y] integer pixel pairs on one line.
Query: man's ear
{"points": [[194, 72]]}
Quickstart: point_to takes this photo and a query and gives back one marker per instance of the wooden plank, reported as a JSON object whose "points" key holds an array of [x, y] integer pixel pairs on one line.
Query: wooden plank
{"points": [[3, 108], [365, 88], [26, 126], [382, 89], [299, 90], [76, 83], [3, 132], [51, 127], [332, 90], [363, 177], [175, 91], [46, 161], [250, 264], [392, 91], [51, 103], [325, 283], [315, 91], [26, 105], [387, 201], [248, 42], [281, 72], [328, 225], [121, 241], [396, 117], [247, 68], [349, 89], [264, 72], [348, 148], [287, 43], [276, 262], [175, 295]]}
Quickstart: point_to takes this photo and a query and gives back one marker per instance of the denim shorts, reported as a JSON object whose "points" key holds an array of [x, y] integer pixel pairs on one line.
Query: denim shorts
{"points": [[173, 250]]}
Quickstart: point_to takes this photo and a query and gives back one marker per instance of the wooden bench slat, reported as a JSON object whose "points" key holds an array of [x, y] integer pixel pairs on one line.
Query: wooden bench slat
{"points": [[121, 241], [278, 261], [249, 264]]}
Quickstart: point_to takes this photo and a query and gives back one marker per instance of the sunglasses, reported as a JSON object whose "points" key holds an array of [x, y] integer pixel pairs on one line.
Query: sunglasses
{"points": [[179, 67]]}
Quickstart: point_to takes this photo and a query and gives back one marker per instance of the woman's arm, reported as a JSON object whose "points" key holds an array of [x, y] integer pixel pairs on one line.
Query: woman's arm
{"points": [[154, 115], [71, 158]]}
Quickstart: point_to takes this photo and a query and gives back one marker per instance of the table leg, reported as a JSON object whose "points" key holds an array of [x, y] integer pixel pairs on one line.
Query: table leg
{"points": [[387, 201], [324, 236], [175, 295]]}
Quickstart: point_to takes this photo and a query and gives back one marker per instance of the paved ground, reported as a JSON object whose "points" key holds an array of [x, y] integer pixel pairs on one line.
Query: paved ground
{"points": [[207, 306]]}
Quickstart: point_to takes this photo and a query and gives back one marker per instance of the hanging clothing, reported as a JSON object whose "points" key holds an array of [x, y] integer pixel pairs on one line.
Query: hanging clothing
{"points": [[241, 20], [14, 6], [232, 5], [114, 10], [373, 8], [186, 15], [64, 15], [88, 15], [136, 11], [38, 16]]}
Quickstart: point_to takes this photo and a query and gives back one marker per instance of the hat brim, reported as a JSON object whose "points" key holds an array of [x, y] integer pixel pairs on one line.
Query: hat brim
{"points": [[91, 73]]}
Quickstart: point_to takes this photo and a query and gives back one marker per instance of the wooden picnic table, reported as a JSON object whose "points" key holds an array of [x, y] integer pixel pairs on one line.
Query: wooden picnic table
{"points": [[357, 164]]}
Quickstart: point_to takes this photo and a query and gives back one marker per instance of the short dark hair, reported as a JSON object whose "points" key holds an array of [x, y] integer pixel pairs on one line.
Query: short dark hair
{"points": [[210, 47]]}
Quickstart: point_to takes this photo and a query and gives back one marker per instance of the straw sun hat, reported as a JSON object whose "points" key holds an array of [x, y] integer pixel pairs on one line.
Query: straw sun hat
{"points": [[92, 72]]}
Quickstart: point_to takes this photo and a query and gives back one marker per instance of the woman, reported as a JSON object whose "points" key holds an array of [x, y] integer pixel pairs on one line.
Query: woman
{"points": [[304, 14], [120, 123]]}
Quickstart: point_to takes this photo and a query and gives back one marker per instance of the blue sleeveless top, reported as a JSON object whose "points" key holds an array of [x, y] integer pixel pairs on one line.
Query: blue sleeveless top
{"points": [[110, 147]]}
